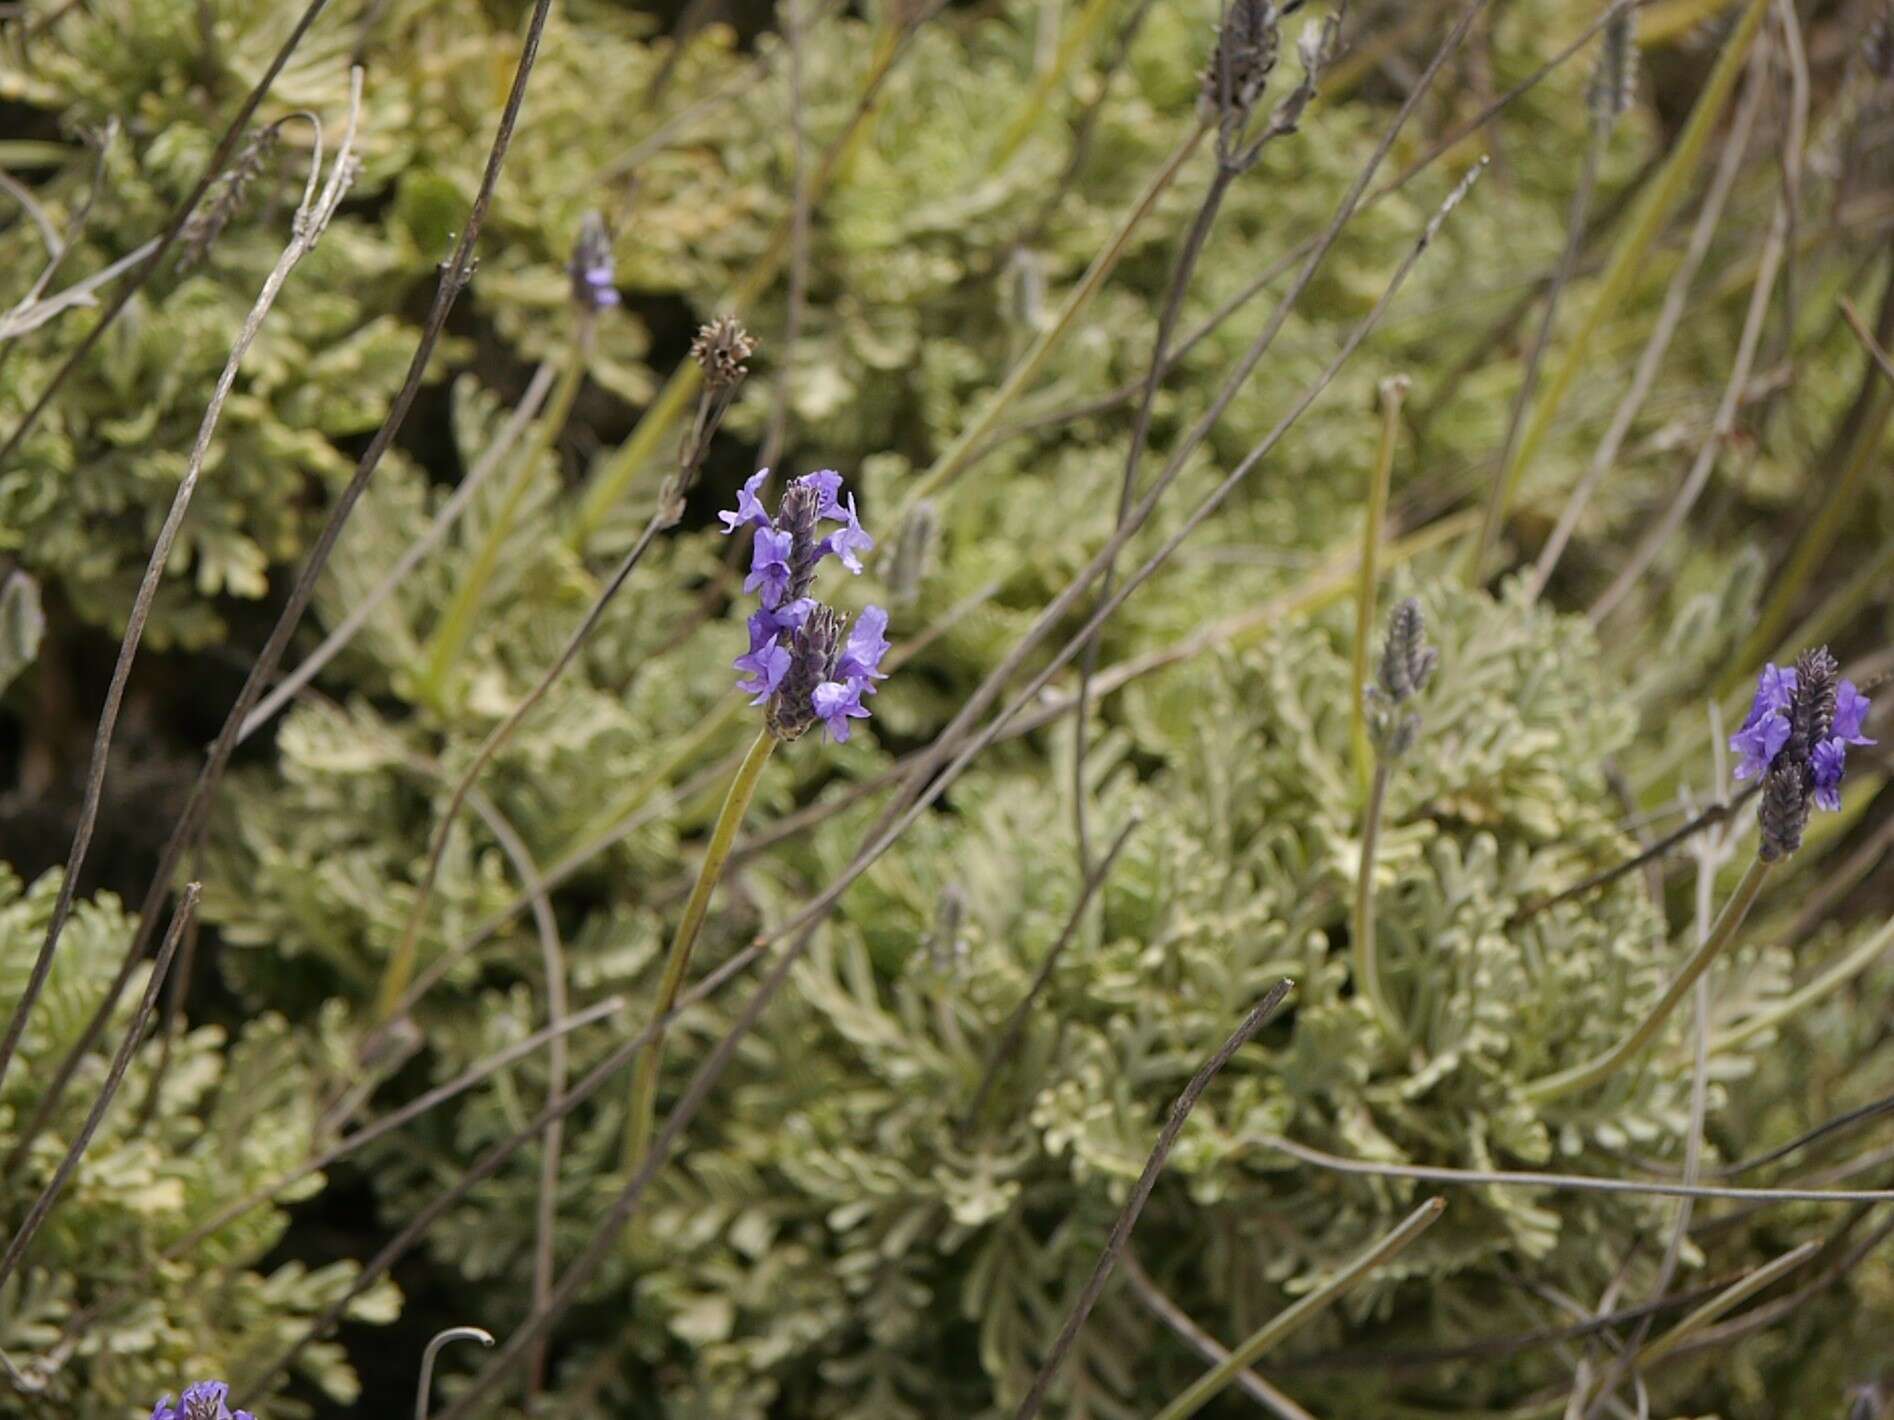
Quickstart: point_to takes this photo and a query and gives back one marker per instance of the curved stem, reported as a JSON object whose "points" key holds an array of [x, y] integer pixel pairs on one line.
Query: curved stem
{"points": [[456, 624], [723, 837], [1625, 267], [1367, 962], [1030, 112], [1578, 1077]]}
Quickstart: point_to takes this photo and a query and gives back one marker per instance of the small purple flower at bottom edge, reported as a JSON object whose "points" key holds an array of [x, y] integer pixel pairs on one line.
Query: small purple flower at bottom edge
{"points": [[835, 704], [203, 1401]]}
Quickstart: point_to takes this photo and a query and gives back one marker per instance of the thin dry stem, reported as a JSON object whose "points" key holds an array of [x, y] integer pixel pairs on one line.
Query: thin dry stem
{"points": [[455, 274], [312, 216], [1141, 1192]]}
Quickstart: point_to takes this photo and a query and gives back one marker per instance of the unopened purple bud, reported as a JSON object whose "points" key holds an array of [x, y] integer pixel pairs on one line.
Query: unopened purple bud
{"points": [[591, 266]]}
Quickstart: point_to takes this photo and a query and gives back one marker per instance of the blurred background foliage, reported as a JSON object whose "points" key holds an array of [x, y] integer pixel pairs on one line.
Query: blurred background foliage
{"points": [[842, 1236]]}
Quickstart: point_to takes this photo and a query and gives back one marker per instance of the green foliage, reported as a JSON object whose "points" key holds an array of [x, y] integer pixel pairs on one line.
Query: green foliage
{"points": [[840, 1239], [232, 1112]]}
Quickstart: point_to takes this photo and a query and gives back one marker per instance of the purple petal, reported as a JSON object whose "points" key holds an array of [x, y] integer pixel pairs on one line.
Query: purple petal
{"points": [[204, 1401], [1774, 687], [828, 485], [1759, 742], [1827, 763], [749, 507], [848, 541], [867, 644], [769, 565], [835, 704], [766, 665], [1851, 712]]}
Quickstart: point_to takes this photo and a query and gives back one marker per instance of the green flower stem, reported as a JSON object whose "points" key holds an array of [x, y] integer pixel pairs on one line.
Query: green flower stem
{"points": [[1392, 392], [723, 837], [954, 460], [1602, 1067], [1291, 1318], [1367, 963], [456, 624], [1075, 40], [1627, 264]]}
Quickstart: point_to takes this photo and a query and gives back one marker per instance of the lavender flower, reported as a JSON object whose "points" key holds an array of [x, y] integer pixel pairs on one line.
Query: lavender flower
{"points": [[1797, 735], [836, 703], [848, 541], [1766, 729], [749, 507], [203, 1401], [769, 565], [799, 666]]}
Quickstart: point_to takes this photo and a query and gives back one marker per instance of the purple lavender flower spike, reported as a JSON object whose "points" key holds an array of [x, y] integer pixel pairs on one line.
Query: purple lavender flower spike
{"points": [[1826, 763], [749, 507], [1759, 743], [1851, 712], [836, 704], [828, 486], [769, 566], [799, 667], [848, 541], [867, 644]]}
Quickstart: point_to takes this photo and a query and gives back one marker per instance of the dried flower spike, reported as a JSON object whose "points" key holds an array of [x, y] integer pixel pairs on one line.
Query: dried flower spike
{"points": [[721, 347], [208, 221], [1242, 60], [799, 666], [1796, 735], [593, 279], [204, 1401]]}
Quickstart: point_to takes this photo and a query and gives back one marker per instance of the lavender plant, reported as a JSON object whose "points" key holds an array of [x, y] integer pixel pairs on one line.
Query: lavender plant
{"points": [[802, 669], [832, 1228]]}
